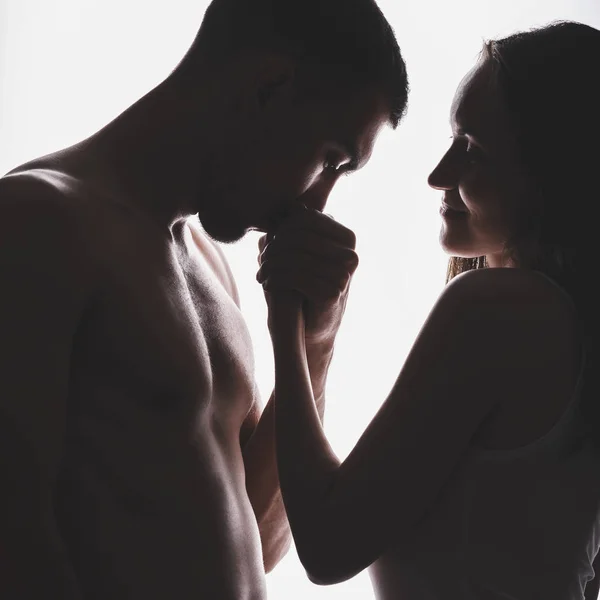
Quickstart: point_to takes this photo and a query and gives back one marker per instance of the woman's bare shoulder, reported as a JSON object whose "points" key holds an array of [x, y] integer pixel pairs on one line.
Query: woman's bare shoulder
{"points": [[520, 292], [517, 317]]}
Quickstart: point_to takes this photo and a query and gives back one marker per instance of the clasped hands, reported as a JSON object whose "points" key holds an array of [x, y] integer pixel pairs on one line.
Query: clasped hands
{"points": [[305, 269]]}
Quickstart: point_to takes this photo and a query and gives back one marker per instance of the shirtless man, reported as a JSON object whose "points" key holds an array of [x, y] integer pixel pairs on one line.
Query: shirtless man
{"points": [[137, 460]]}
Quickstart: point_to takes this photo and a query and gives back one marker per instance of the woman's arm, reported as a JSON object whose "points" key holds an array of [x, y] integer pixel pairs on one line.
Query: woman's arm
{"points": [[488, 338], [305, 461]]}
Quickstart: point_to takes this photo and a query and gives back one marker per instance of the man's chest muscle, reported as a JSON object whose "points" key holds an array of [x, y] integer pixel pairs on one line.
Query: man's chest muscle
{"points": [[173, 338]]}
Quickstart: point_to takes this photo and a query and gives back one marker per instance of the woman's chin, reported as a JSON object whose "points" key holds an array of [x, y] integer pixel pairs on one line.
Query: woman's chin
{"points": [[454, 248]]}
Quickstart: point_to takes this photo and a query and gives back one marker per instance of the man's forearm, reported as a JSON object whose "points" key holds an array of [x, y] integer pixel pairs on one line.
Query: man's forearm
{"points": [[262, 486], [260, 461], [262, 482]]}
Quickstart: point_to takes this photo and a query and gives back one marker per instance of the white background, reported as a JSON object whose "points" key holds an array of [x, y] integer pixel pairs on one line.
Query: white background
{"points": [[69, 66]]}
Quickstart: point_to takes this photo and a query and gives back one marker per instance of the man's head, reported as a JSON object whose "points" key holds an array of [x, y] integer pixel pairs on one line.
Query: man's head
{"points": [[299, 91]]}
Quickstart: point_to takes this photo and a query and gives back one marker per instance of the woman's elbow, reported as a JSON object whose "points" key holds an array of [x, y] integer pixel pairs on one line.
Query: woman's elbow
{"points": [[331, 550], [275, 551], [322, 577]]}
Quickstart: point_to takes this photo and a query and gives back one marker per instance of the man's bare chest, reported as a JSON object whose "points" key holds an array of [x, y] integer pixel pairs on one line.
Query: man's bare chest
{"points": [[170, 335]]}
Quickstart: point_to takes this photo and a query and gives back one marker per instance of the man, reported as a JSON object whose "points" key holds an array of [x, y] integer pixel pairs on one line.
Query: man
{"points": [[139, 465]]}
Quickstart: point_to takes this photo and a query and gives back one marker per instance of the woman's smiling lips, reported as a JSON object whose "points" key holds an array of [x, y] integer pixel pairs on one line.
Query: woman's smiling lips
{"points": [[449, 211]]}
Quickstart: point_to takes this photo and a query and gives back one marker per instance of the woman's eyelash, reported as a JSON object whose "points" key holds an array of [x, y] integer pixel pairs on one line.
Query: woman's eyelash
{"points": [[470, 147]]}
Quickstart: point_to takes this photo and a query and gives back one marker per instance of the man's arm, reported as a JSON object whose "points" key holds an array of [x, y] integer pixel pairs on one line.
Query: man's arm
{"points": [[257, 437], [262, 479], [316, 257], [257, 440], [41, 302]]}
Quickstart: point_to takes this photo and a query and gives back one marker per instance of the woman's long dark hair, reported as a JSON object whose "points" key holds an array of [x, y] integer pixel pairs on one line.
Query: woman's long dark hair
{"points": [[549, 79]]}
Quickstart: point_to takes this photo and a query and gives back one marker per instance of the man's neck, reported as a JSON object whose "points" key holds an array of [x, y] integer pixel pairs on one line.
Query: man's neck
{"points": [[144, 158]]}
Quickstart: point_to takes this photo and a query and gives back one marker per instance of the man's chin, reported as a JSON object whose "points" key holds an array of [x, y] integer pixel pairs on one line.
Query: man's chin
{"points": [[224, 231], [227, 229], [225, 237]]}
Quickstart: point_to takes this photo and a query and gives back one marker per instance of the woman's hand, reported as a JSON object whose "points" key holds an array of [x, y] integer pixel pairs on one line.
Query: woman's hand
{"points": [[309, 261]]}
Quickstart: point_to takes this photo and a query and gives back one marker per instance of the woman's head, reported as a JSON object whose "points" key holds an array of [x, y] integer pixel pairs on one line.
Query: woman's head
{"points": [[485, 189], [521, 171]]}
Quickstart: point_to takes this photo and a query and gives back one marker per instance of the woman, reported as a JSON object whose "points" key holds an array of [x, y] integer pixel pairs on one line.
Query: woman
{"points": [[480, 475]]}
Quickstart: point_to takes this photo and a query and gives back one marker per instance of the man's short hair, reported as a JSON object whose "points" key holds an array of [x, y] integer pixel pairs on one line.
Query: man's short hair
{"points": [[350, 39]]}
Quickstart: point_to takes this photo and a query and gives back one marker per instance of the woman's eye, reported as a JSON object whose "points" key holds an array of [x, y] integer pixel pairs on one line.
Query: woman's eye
{"points": [[468, 147], [474, 152]]}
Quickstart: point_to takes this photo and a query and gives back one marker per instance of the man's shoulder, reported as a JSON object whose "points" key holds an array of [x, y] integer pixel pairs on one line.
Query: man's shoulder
{"points": [[41, 219], [35, 193]]}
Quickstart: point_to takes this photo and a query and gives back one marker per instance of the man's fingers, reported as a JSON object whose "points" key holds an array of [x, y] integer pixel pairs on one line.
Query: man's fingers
{"points": [[304, 270], [311, 244], [262, 242], [315, 289], [303, 218]]}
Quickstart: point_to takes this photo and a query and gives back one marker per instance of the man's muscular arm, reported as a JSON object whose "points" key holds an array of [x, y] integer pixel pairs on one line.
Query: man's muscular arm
{"points": [[262, 480], [315, 256], [257, 440], [257, 435], [43, 297]]}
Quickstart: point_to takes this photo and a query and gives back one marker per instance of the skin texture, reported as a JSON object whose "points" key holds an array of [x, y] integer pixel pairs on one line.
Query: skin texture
{"points": [[141, 463], [346, 516]]}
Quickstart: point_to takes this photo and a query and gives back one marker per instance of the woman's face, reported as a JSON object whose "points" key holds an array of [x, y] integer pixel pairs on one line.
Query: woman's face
{"points": [[486, 193]]}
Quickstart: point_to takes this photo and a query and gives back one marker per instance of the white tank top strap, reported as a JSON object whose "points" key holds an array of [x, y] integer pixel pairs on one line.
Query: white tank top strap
{"points": [[566, 432]]}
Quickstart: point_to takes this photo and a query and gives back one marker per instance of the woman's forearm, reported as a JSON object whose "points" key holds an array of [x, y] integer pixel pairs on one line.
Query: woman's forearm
{"points": [[305, 460]]}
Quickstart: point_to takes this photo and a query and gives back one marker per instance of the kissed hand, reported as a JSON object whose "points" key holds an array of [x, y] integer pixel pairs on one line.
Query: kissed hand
{"points": [[308, 264]]}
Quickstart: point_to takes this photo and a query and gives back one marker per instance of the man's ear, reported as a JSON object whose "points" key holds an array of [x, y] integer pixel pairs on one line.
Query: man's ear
{"points": [[275, 79]]}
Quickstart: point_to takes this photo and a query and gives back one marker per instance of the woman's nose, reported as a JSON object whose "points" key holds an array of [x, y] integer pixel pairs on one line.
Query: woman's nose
{"points": [[444, 176]]}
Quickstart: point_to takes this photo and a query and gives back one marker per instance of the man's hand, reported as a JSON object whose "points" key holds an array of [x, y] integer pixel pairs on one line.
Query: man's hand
{"points": [[313, 255]]}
